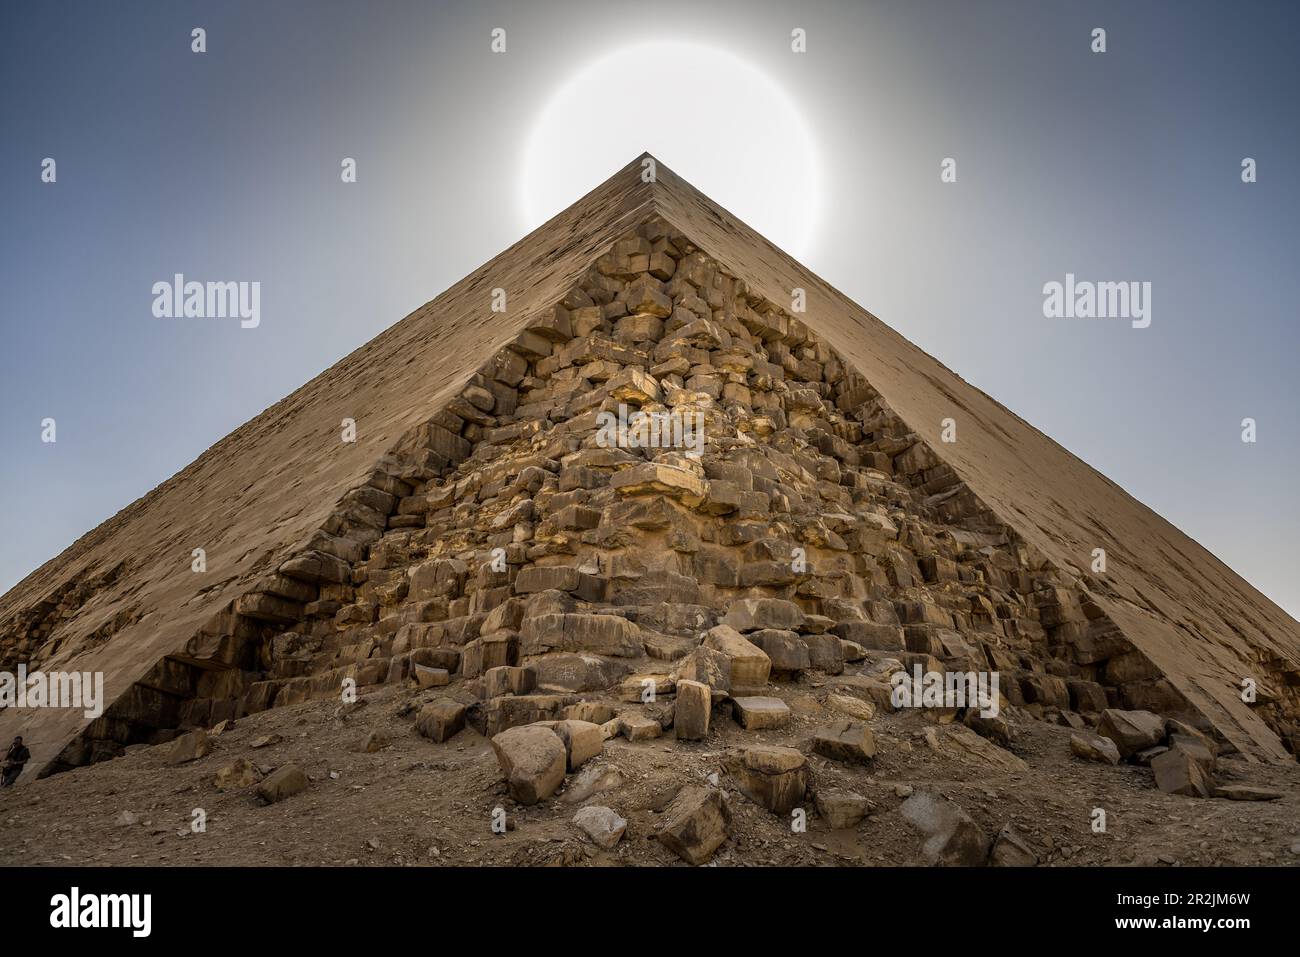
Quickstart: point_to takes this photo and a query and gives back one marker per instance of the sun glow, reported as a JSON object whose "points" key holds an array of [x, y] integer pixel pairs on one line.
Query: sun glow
{"points": [[714, 119]]}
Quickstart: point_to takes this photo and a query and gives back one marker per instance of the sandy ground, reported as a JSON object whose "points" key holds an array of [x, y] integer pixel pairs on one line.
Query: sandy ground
{"points": [[420, 803]]}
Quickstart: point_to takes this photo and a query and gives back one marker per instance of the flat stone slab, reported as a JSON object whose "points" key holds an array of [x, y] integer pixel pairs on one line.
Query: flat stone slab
{"points": [[1246, 792], [755, 713]]}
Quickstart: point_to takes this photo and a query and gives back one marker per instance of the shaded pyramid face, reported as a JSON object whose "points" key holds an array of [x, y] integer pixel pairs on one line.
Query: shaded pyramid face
{"points": [[673, 436]]}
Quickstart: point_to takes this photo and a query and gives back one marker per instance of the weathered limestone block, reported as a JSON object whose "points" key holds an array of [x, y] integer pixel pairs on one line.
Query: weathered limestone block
{"points": [[600, 634], [841, 808], [785, 649], [509, 367], [426, 677], [583, 741], [635, 386], [499, 649], [1178, 772], [871, 635], [533, 759], [1047, 690], [345, 549], [539, 578], [239, 773], [576, 671], [646, 688], [441, 577], [757, 713], [644, 297], [750, 665], [707, 666], [283, 782], [1132, 731], [654, 478], [448, 659], [1247, 792], [753, 614], [553, 324], [512, 711], [189, 746], [575, 518], [772, 574], [446, 443], [950, 836], [936, 568], [597, 712], [1012, 849], [639, 727], [695, 824], [507, 616], [849, 741], [372, 671], [694, 705], [851, 707], [1197, 747], [923, 613], [825, 653], [506, 679], [267, 607], [774, 777], [1093, 747], [600, 824], [1086, 697], [316, 567], [640, 328], [441, 719]]}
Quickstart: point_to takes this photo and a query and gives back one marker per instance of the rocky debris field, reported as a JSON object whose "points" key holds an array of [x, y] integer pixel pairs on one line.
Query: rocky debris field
{"points": [[324, 783]]}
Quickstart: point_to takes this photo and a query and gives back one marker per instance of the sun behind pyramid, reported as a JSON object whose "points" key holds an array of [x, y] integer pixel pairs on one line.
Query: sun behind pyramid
{"points": [[481, 530]]}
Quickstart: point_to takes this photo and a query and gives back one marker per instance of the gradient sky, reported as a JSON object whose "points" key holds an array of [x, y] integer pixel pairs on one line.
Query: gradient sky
{"points": [[1119, 166]]}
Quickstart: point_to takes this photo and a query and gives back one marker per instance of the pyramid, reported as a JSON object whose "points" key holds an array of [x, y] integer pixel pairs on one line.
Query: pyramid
{"points": [[481, 531]]}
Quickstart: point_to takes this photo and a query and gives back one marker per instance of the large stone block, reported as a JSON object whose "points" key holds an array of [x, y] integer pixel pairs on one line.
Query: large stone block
{"points": [[750, 665], [1132, 731], [849, 741], [841, 808], [1178, 772], [825, 653], [753, 614], [539, 578], [599, 634], [533, 759], [707, 666], [283, 782], [757, 713], [441, 719], [950, 836], [576, 671], [695, 824], [787, 652], [498, 650], [694, 705], [774, 777], [653, 478], [512, 711], [583, 741]]}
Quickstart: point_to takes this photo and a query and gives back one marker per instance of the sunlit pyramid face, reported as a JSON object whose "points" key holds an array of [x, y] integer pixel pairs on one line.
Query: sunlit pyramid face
{"points": [[691, 106]]}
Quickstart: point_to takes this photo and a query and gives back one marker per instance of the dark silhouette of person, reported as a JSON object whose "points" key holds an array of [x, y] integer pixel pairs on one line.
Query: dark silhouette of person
{"points": [[15, 758]]}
